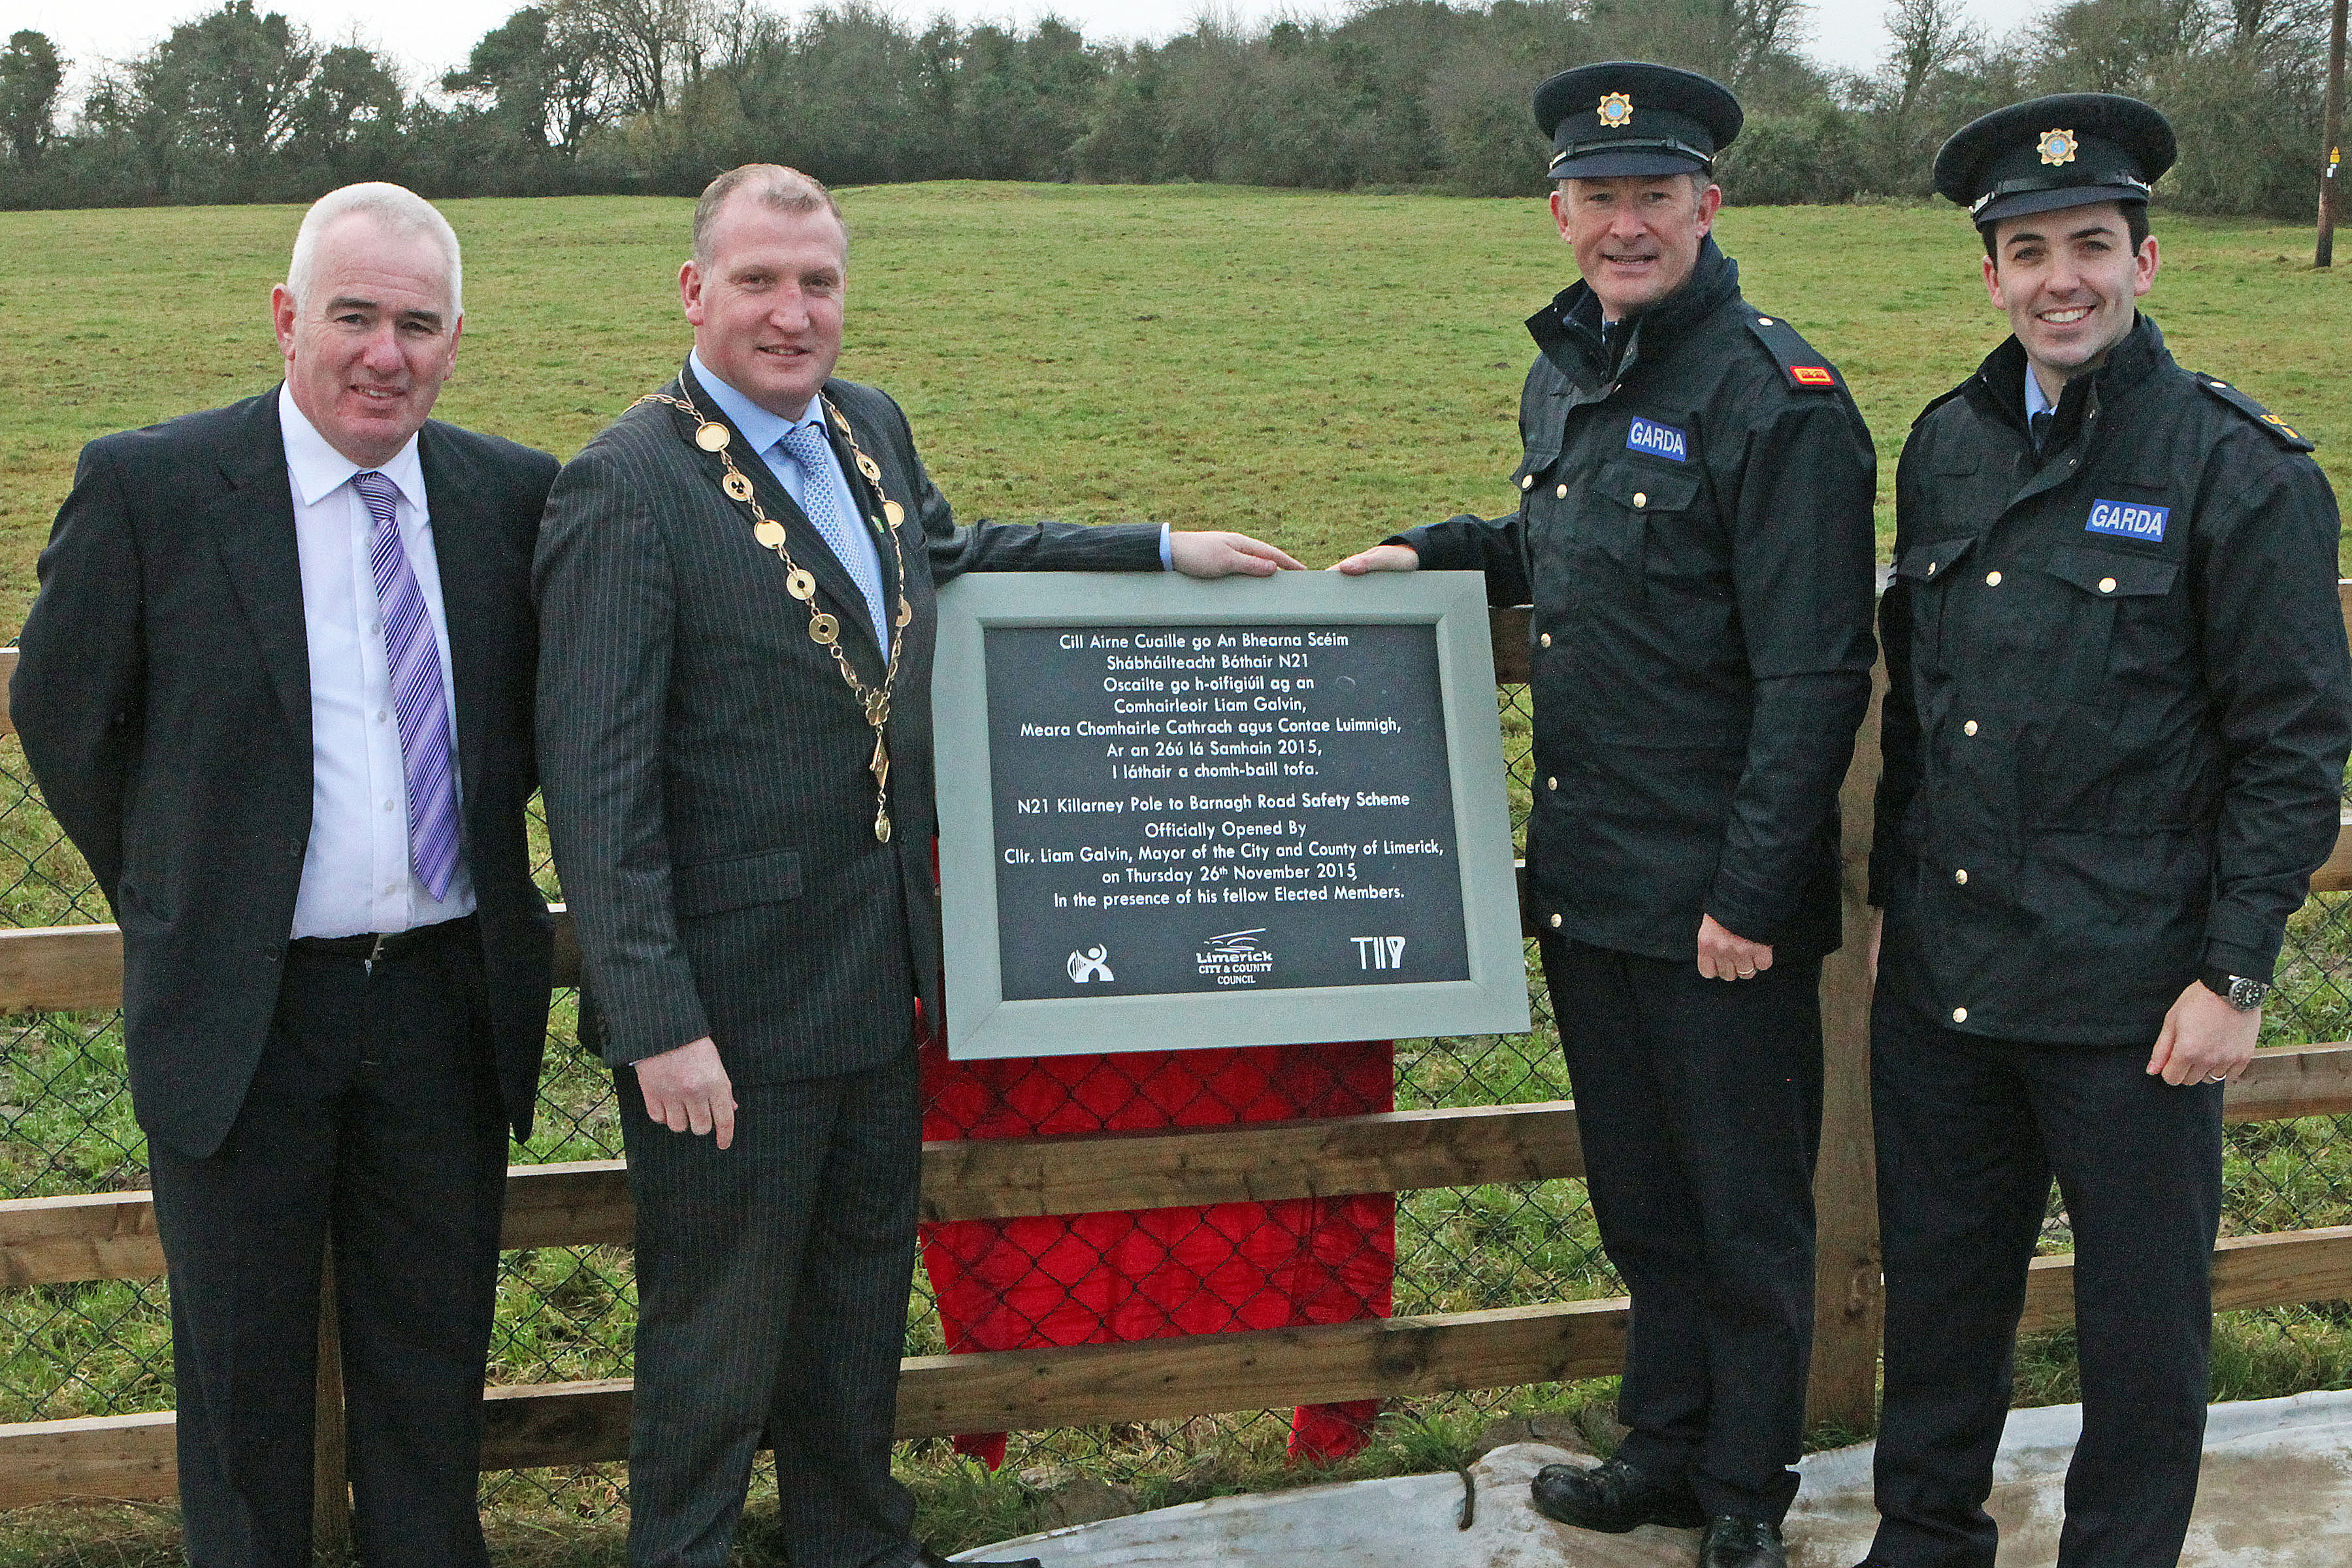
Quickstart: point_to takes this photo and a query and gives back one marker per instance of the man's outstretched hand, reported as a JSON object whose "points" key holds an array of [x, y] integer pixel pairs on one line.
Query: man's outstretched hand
{"points": [[1379, 558], [1220, 554]]}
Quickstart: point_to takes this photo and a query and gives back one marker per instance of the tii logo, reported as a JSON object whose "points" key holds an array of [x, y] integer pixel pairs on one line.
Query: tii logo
{"points": [[1379, 951], [1091, 964]]}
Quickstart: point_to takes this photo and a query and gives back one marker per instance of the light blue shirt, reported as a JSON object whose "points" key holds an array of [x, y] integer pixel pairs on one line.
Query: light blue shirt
{"points": [[2034, 402], [764, 429], [765, 432]]}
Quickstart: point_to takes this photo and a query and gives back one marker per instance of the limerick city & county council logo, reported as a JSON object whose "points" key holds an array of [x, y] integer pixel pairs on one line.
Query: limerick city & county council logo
{"points": [[1616, 110], [1091, 964], [2056, 146], [1234, 958]]}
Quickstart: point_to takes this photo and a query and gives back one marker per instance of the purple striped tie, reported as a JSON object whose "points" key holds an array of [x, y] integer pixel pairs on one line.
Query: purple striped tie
{"points": [[414, 660]]}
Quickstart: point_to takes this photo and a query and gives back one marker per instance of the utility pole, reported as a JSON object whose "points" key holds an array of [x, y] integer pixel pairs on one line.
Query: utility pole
{"points": [[2324, 254]]}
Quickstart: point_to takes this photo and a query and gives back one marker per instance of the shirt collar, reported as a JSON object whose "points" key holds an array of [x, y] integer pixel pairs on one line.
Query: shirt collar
{"points": [[760, 427], [316, 468], [2035, 402]]}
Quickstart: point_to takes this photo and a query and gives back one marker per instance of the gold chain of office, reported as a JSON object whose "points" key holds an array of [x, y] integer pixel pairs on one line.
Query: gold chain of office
{"points": [[824, 629]]}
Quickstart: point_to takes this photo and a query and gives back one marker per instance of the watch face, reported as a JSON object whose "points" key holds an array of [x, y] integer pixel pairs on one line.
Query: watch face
{"points": [[2246, 995]]}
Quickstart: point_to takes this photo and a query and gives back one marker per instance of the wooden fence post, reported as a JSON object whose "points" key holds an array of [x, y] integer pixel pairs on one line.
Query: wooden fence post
{"points": [[331, 1497], [1848, 1303]]}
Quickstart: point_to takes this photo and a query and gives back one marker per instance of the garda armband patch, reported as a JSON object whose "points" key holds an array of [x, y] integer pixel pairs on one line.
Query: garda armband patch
{"points": [[2278, 429], [1798, 360], [1658, 440], [2129, 520]]}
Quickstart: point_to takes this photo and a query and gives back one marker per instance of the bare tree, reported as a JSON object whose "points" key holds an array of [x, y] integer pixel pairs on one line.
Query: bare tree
{"points": [[1932, 38]]}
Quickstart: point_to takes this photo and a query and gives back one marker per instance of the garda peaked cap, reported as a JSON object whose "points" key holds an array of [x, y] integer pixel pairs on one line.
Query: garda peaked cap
{"points": [[2066, 150], [1628, 116]]}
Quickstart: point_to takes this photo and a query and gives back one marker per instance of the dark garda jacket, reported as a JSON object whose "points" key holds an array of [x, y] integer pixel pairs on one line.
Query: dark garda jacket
{"points": [[2118, 700], [1695, 534]]}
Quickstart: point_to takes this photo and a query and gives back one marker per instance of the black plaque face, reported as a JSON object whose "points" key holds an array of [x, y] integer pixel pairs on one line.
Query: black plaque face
{"points": [[1239, 807]]}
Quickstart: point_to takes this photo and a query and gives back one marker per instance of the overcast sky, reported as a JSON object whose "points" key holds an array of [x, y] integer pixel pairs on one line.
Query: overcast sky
{"points": [[435, 34]]}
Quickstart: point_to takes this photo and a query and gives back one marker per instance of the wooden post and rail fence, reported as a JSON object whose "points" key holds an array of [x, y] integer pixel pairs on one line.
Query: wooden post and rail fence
{"points": [[112, 1236]]}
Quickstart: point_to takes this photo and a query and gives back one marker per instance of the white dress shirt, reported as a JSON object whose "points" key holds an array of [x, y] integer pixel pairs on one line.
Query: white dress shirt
{"points": [[356, 875]]}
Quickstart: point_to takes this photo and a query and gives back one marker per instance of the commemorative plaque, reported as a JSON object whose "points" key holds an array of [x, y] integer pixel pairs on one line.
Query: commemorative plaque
{"points": [[1254, 810]]}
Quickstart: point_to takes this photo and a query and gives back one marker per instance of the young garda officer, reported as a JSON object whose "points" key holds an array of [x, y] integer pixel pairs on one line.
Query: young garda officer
{"points": [[1695, 534], [2114, 729]]}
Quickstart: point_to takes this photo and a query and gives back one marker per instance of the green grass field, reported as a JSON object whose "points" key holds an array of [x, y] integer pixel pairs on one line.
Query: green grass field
{"points": [[1320, 370]]}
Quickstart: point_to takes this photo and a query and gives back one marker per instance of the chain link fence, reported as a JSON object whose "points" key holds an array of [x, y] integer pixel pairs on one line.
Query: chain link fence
{"points": [[568, 1313]]}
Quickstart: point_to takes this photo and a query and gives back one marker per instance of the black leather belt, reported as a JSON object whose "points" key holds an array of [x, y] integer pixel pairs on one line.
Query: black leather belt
{"points": [[373, 947]]}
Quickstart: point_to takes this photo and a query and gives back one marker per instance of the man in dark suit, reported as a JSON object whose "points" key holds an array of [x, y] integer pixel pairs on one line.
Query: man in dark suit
{"points": [[735, 581], [277, 688]]}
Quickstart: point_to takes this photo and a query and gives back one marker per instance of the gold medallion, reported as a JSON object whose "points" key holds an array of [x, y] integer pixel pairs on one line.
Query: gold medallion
{"points": [[824, 628]]}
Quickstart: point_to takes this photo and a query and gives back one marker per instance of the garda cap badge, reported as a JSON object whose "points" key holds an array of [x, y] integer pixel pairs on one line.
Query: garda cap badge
{"points": [[2056, 146], [1616, 110]]}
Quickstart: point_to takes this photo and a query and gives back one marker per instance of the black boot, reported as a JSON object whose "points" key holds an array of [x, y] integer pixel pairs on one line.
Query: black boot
{"points": [[1741, 1544], [1614, 1498]]}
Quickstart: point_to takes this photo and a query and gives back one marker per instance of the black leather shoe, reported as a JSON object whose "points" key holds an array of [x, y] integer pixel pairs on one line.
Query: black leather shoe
{"points": [[1734, 1543], [1614, 1498], [927, 1558]]}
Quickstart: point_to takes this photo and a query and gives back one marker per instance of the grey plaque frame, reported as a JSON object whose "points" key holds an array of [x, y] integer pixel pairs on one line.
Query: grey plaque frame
{"points": [[982, 1025]]}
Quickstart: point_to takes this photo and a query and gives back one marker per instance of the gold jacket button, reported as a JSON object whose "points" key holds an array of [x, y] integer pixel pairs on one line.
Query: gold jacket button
{"points": [[1970, 727], [1641, 498], [1962, 875], [1551, 781], [1527, 482], [1993, 579], [2107, 585], [1959, 1015], [1547, 639], [1562, 492], [1554, 923], [1931, 567]]}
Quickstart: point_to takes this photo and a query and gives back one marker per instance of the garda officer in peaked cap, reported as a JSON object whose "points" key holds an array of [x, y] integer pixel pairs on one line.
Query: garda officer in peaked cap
{"points": [[1693, 530], [2114, 730]]}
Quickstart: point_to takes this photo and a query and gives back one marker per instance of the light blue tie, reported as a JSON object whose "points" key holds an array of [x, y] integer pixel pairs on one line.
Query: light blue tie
{"points": [[805, 445]]}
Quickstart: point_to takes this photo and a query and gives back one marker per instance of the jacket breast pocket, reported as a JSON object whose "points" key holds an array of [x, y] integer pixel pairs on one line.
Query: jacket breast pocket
{"points": [[715, 887], [2119, 616], [1625, 506], [1923, 570]]}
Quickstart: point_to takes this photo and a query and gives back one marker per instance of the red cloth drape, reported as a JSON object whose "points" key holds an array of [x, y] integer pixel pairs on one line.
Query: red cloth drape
{"points": [[1065, 1279]]}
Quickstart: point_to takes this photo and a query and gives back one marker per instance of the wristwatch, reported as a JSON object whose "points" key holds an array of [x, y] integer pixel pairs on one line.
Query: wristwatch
{"points": [[2239, 992]]}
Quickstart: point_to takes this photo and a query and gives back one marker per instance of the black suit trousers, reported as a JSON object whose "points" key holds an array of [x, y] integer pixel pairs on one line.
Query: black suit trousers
{"points": [[1970, 1132], [772, 1278], [375, 1112], [1699, 1106]]}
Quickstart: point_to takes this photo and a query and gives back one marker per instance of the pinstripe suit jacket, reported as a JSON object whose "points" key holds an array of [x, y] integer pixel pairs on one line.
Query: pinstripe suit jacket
{"points": [[705, 765]]}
